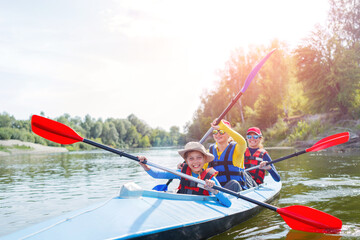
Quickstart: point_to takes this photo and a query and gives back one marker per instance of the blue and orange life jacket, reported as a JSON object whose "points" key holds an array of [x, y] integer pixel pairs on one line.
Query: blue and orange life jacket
{"points": [[224, 164], [189, 187], [254, 160]]}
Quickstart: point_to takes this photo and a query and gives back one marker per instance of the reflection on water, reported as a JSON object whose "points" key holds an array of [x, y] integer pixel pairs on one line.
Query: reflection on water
{"points": [[294, 235], [36, 187]]}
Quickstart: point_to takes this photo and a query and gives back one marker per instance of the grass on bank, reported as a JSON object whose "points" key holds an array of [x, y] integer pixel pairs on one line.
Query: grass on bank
{"points": [[18, 147], [4, 149], [308, 130]]}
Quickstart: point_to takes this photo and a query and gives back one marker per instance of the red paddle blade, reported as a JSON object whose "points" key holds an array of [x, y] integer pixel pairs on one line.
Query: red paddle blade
{"points": [[330, 141], [308, 219], [333, 137], [54, 131]]}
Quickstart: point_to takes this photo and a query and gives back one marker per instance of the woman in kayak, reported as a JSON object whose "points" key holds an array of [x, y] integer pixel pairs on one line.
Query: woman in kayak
{"points": [[255, 155], [228, 150], [196, 157]]}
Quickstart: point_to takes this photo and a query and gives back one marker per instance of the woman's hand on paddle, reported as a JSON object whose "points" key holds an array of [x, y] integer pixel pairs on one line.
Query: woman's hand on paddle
{"points": [[208, 186], [264, 166], [216, 127], [141, 160]]}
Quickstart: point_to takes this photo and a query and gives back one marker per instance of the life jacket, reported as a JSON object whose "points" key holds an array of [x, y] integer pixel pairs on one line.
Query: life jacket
{"points": [[190, 187], [224, 164], [254, 160]]}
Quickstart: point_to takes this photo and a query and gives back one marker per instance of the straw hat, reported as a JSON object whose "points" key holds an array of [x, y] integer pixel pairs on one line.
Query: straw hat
{"points": [[196, 146]]}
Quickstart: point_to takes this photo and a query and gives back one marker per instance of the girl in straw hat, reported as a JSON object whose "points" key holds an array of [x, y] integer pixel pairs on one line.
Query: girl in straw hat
{"points": [[196, 157]]}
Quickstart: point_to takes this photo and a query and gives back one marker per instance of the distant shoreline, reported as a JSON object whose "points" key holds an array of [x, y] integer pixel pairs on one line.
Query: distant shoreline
{"points": [[33, 148]]}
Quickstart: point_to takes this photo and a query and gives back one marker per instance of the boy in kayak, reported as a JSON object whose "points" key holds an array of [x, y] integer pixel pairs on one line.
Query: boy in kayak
{"points": [[228, 150], [196, 157], [255, 155]]}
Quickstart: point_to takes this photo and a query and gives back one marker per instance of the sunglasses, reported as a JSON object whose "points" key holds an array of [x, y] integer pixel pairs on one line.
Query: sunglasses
{"points": [[218, 131], [252, 136]]}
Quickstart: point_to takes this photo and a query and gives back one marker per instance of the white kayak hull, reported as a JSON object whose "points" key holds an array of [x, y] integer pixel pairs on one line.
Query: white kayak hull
{"points": [[147, 214]]}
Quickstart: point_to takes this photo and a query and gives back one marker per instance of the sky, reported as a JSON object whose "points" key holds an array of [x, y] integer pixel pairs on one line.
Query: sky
{"points": [[151, 58]]}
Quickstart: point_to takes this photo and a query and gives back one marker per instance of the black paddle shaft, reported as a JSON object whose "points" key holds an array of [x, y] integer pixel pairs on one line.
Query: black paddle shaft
{"points": [[277, 160], [121, 153], [286, 157]]}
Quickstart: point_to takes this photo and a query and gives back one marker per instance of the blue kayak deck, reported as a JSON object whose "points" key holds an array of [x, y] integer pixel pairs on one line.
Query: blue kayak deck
{"points": [[141, 213]]}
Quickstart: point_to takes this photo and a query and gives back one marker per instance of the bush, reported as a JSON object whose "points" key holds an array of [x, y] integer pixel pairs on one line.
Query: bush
{"points": [[300, 132], [5, 133], [305, 131], [27, 137], [40, 140], [276, 133]]}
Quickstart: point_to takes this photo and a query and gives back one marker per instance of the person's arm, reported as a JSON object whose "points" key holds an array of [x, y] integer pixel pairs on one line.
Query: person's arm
{"points": [[156, 173], [219, 195], [162, 174], [274, 174], [240, 148]]}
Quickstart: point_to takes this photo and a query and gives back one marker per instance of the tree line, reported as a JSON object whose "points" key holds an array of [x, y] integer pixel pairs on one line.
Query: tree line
{"points": [[122, 133]]}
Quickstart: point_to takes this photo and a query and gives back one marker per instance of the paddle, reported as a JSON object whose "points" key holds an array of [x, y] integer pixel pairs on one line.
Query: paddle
{"points": [[162, 187], [297, 217], [324, 143], [248, 80], [250, 77]]}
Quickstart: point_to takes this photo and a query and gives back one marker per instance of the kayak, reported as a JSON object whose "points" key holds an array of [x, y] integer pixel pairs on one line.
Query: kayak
{"points": [[147, 214]]}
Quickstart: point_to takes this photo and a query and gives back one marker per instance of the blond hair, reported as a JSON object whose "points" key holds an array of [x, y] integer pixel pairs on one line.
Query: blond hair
{"points": [[261, 142]]}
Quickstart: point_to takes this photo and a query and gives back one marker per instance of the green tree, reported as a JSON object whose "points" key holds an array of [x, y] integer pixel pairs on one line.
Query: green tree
{"points": [[64, 119], [141, 126], [6, 121], [175, 135], [109, 134], [273, 82], [344, 21], [87, 125], [160, 137], [6, 133], [96, 130], [22, 124], [197, 128], [144, 142], [132, 137], [122, 126], [329, 61]]}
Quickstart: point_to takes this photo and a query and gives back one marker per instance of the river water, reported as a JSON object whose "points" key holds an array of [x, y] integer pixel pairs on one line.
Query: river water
{"points": [[34, 188]]}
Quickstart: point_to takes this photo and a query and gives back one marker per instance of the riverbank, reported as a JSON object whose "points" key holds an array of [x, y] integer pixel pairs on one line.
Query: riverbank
{"points": [[16, 147]]}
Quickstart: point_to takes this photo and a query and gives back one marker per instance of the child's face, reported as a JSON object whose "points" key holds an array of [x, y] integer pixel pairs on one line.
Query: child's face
{"points": [[196, 161], [252, 142]]}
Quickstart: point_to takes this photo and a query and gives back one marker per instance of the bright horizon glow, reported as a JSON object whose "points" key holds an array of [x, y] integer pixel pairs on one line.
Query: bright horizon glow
{"points": [[150, 58]]}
